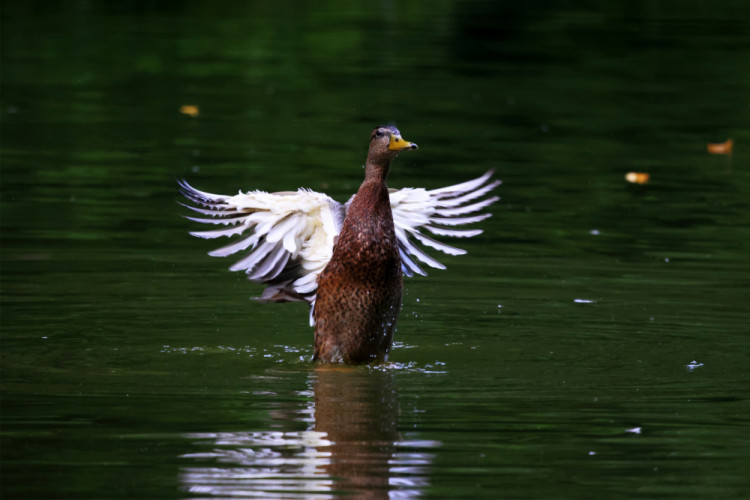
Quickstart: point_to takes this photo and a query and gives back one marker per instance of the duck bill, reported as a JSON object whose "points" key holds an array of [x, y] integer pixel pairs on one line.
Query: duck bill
{"points": [[398, 144]]}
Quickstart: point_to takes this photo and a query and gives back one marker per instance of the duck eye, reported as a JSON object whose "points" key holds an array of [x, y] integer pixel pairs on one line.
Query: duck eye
{"points": [[379, 133]]}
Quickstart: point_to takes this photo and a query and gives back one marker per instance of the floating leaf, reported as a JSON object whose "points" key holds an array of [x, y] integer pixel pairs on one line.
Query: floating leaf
{"points": [[637, 177], [190, 110], [720, 148]]}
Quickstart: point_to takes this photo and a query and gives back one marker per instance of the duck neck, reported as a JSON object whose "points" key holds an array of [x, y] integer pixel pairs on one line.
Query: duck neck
{"points": [[376, 169]]}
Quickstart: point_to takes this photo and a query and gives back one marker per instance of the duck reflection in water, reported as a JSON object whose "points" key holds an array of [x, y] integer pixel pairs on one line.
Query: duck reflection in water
{"points": [[351, 446]]}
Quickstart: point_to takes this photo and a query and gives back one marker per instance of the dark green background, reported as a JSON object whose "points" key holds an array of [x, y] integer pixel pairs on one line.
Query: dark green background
{"points": [[134, 366]]}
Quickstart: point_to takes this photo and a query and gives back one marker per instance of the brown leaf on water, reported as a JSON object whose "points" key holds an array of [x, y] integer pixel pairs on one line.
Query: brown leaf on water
{"points": [[720, 148], [637, 177], [190, 110]]}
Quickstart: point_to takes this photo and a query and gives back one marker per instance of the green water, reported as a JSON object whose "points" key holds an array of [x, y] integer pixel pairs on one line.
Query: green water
{"points": [[592, 344]]}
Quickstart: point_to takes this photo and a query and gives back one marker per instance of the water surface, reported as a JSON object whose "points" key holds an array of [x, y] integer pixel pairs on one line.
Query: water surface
{"points": [[592, 344]]}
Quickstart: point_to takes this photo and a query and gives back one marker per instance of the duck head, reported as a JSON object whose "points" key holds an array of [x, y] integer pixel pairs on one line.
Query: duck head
{"points": [[385, 144], [387, 140]]}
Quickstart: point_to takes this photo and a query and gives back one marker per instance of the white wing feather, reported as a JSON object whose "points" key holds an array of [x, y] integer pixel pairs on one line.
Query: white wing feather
{"points": [[418, 208], [290, 236]]}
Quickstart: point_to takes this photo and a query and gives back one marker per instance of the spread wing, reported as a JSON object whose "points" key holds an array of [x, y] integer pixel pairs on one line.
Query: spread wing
{"points": [[439, 212], [284, 239]]}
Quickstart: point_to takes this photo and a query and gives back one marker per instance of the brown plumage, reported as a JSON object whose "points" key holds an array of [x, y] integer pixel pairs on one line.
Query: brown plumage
{"points": [[359, 291]]}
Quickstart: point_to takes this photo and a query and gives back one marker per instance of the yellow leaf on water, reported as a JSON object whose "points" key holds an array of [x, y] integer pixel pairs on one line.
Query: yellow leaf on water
{"points": [[190, 109], [637, 177], [720, 148]]}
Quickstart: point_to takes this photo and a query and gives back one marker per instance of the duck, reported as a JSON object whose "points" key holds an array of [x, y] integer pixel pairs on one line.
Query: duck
{"points": [[346, 260]]}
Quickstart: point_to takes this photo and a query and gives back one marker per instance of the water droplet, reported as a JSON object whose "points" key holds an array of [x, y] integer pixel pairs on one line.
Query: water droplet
{"points": [[693, 365]]}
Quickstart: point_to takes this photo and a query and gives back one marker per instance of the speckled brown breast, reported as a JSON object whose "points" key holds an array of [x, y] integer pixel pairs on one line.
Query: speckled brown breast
{"points": [[359, 291]]}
